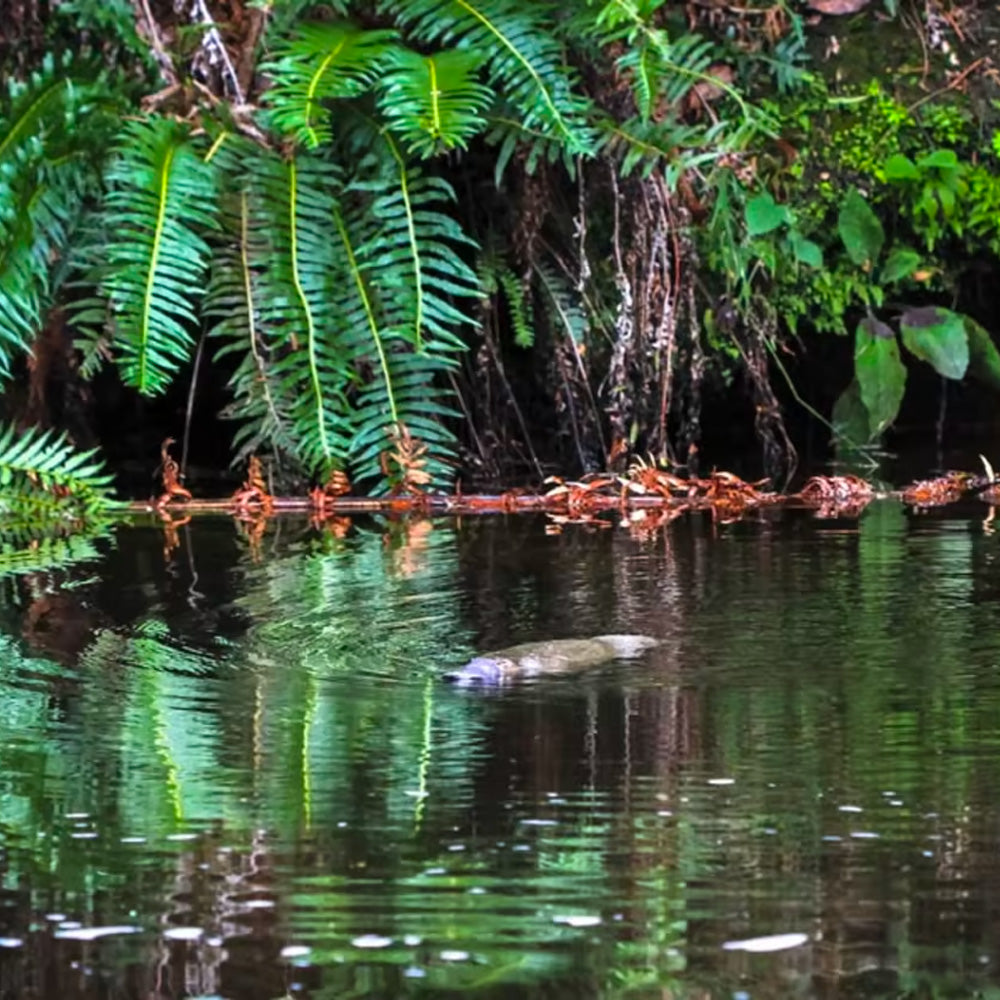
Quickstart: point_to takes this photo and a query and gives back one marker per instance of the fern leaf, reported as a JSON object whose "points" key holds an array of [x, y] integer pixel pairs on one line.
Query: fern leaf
{"points": [[320, 63], [434, 103], [43, 188], [235, 298], [298, 306], [524, 61], [162, 199]]}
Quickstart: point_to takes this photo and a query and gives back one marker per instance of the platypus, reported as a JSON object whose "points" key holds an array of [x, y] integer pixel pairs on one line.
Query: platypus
{"points": [[554, 656]]}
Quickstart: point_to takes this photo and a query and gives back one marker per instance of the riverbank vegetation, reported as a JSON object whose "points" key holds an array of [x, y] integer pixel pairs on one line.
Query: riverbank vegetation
{"points": [[395, 243]]}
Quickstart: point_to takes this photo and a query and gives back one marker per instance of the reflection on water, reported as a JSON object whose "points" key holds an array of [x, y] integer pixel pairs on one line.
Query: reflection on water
{"points": [[235, 771]]}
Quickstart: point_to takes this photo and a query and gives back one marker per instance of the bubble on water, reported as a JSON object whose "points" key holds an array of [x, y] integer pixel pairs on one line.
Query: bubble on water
{"points": [[768, 943], [183, 933], [93, 933], [55, 917], [84, 835], [412, 940], [538, 822], [454, 955], [578, 920], [849, 809], [295, 951], [11, 942], [131, 840], [182, 836], [865, 835], [722, 781], [371, 941], [414, 972]]}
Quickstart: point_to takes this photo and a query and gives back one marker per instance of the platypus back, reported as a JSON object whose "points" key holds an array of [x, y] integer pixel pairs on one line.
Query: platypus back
{"points": [[550, 657]]}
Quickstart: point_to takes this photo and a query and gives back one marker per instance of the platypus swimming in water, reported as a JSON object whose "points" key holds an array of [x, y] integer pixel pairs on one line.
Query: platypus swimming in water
{"points": [[554, 656]]}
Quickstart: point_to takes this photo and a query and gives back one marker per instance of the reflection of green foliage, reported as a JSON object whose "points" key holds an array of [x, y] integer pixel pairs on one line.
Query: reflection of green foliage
{"points": [[51, 501], [321, 741]]}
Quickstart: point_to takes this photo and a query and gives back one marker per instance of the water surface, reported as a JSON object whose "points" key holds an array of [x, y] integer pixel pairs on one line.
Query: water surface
{"points": [[229, 767]]}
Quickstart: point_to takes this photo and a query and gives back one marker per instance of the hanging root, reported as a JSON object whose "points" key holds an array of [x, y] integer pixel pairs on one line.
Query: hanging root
{"points": [[752, 337], [649, 362]]}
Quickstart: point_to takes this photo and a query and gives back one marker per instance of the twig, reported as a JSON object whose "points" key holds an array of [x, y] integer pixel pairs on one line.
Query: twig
{"points": [[498, 364], [190, 404], [166, 63]]}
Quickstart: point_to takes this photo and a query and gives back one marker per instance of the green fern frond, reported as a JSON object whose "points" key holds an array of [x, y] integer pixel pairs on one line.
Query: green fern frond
{"points": [[42, 189], [434, 103], [299, 308], [494, 276], [152, 272], [236, 299], [511, 136], [669, 146], [562, 303], [321, 63], [42, 475], [414, 263], [524, 63], [519, 307]]}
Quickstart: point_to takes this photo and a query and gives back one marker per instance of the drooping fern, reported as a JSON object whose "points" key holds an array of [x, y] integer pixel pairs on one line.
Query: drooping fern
{"points": [[43, 184], [152, 268], [236, 300], [317, 64], [406, 283], [524, 61], [434, 102], [299, 314]]}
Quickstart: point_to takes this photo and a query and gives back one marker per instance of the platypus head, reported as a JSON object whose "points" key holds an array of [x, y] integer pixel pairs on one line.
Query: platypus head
{"points": [[482, 670]]}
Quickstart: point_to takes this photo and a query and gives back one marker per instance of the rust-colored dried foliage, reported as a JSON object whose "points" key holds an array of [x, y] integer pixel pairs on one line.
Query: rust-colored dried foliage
{"points": [[252, 499], [171, 473], [405, 464]]}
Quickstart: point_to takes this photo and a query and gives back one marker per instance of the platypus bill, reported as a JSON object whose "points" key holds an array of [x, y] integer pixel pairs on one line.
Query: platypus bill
{"points": [[551, 657]]}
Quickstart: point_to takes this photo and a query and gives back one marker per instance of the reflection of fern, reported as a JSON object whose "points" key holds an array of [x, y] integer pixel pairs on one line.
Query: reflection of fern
{"points": [[40, 472], [51, 501], [24, 550]]}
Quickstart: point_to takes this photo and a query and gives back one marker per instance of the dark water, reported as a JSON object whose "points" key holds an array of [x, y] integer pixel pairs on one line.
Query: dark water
{"points": [[230, 769]]}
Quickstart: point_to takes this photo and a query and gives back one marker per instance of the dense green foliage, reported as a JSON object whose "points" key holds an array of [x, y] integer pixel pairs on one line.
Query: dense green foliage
{"points": [[341, 199], [314, 231]]}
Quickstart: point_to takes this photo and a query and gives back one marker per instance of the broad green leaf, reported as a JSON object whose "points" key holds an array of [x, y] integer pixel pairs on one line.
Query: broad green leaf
{"points": [[901, 168], [940, 159], [805, 250], [860, 229], [902, 262], [850, 417], [984, 358], [764, 215], [880, 373], [937, 336]]}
